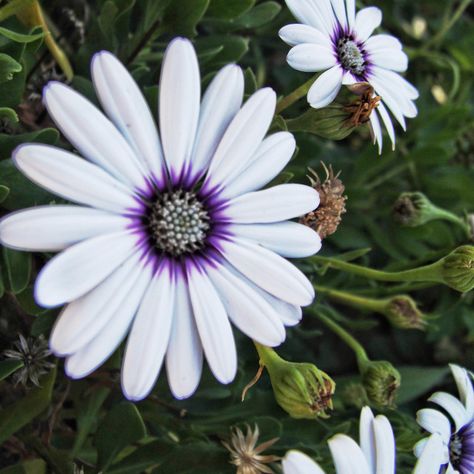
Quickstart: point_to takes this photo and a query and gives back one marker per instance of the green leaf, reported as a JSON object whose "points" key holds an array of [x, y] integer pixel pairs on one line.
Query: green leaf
{"points": [[122, 426], [16, 416], [228, 9], [182, 17], [19, 37], [233, 48], [18, 269], [34, 466], [9, 142], [417, 381], [6, 113], [250, 81], [3, 192], [8, 67], [87, 415], [260, 15], [7, 367]]}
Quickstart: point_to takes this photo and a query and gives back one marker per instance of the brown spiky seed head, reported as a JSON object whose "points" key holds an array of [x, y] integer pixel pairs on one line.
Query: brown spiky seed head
{"points": [[326, 218]]}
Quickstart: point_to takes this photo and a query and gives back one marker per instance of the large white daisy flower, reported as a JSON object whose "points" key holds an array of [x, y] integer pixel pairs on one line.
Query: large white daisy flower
{"points": [[334, 39], [171, 241], [458, 440], [375, 453]]}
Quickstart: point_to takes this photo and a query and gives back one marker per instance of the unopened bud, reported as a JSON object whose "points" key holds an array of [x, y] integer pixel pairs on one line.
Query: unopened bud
{"points": [[381, 381], [414, 209], [354, 394], [402, 312], [326, 218], [457, 269], [300, 388]]}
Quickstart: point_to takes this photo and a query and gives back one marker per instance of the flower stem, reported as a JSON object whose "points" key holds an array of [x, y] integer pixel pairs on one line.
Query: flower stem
{"points": [[355, 345], [355, 301], [294, 96], [430, 273]]}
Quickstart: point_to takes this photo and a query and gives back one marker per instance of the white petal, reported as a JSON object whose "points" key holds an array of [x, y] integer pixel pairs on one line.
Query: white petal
{"points": [[180, 91], [348, 457], [72, 178], [453, 406], [271, 157], [434, 421], [308, 57], [366, 21], [184, 354], [465, 387], [242, 137], [251, 313], [220, 104], [305, 12], [376, 130], [90, 357], [431, 458], [383, 41], [96, 138], [278, 203], [149, 336], [53, 228], [393, 59], [296, 34], [81, 267], [327, 14], [340, 11], [125, 105], [295, 462], [367, 437], [257, 263], [387, 121], [398, 83], [351, 13], [325, 88], [287, 239], [83, 319], [384, 446], [213, 325]]}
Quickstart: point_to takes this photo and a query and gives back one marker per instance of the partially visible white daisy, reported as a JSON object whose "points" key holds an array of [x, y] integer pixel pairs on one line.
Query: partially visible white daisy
{"points": [[334, 39], [375, 453], [171, 240], [458, 440]]}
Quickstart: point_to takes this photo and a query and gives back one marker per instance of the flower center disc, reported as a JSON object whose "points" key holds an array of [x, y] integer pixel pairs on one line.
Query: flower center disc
{"points": [[178, 223], [350, 55], [461, 448]]}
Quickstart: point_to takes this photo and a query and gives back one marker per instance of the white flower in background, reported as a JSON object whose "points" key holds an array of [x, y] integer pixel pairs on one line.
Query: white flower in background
{"points": [[334, 39], [458, 440], [170, 241], [375, 453]]}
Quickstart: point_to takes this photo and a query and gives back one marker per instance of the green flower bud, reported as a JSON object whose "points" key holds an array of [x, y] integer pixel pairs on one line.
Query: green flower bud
{"points": [[415, 209], [403, 313], [457, 269], [381, 381], [354, 394], [300, 388]]}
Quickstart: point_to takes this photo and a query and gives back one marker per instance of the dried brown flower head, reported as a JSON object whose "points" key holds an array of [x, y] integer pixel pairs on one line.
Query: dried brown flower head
{"points": [[361, 109], [246, 455], [327, 217]]}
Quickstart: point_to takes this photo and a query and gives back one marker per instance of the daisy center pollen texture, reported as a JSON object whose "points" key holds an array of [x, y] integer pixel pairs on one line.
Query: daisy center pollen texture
{"points": [[178, 222], [350, 55]]}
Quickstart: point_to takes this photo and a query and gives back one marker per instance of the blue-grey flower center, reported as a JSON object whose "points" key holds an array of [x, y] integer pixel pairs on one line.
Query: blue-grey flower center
{"points": [[178, 222], [350, 55], [461, 449]]}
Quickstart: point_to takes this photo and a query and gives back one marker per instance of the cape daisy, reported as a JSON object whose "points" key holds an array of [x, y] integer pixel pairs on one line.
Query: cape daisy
{"points": [[334, 39], [458, 440], [170, 240], [375, 453]]}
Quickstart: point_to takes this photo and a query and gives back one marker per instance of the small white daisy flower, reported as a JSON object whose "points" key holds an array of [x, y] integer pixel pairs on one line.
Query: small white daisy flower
{"points": [[334, 39], [458, 440], [171, 239], [375, 453]]}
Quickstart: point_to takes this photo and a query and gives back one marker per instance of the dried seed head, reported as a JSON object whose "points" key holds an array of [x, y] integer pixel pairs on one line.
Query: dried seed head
{"points": [[361, 108], [327, 217]]}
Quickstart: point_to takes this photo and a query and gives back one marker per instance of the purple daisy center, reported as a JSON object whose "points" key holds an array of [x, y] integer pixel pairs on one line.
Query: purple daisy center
{"points": [[461, 449], [351, 54]]}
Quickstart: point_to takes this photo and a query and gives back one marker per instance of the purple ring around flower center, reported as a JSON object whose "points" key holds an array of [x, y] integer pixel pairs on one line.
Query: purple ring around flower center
{"points": [[461, 449]]}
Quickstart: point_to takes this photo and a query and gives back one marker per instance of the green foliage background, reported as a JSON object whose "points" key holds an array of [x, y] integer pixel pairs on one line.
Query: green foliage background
{"points": [[71, 424]]}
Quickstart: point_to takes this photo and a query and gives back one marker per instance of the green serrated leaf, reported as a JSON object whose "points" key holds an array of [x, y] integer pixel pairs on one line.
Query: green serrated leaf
{"points": [[18, 269], [122, 426], [8, 367], [16, 416], [19, 37]]}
